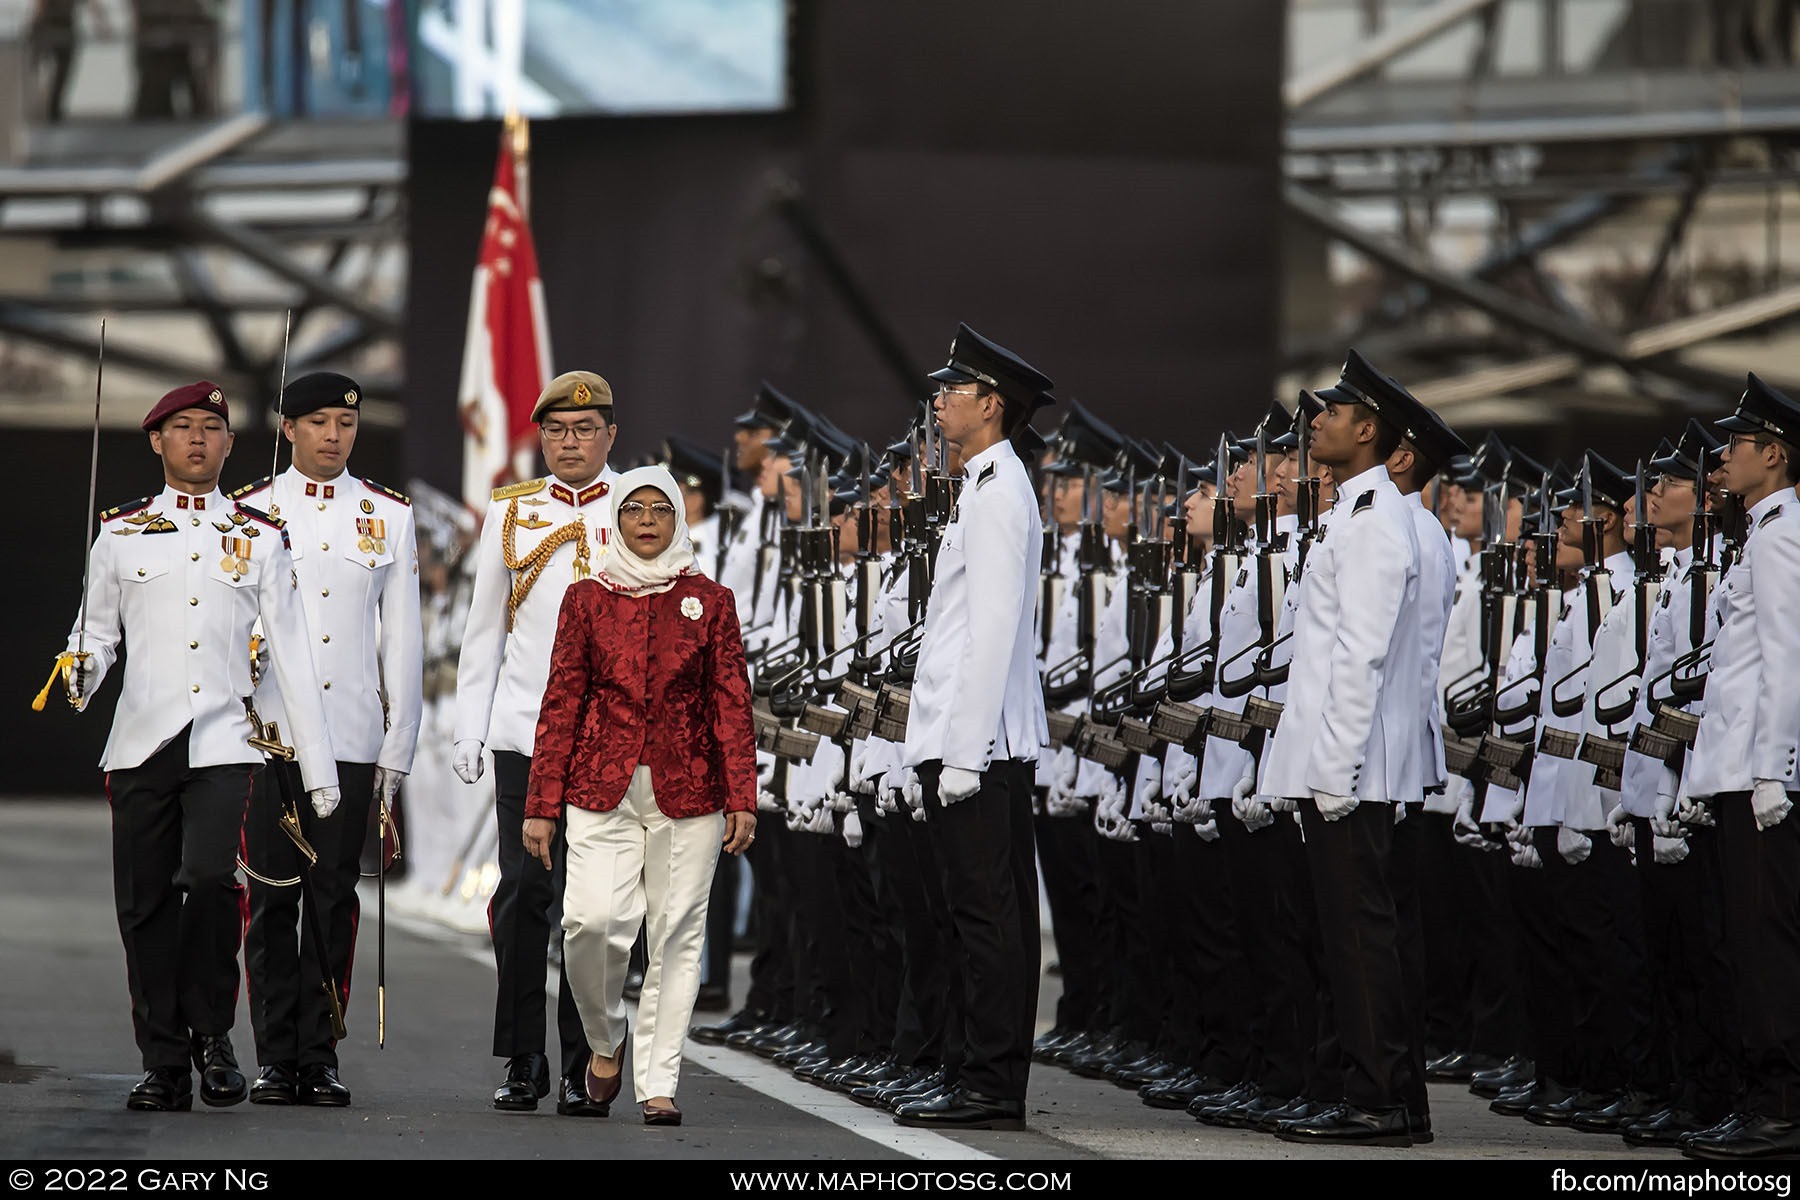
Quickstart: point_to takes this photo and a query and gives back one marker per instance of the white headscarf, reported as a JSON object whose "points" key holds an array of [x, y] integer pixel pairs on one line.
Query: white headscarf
{"points": [[623, 569]]}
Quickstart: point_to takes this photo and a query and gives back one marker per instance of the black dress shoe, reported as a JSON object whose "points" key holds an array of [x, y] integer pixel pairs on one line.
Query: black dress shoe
{"points": [[1270, 1113], [876, 1070], [1147, 1069], [712, 998], [971, 1110], [1757, 1137], [1626, 1107], [1081, 1043], [801, 1052], [319, 1086], [162, 1089], [774, 1041], [935, 1100], [1562, 1112], [221, 1083], [1514, 1101], [1418, 1127], [572, 1099], [1096, 1062], [1234, 1114], [743, 1020], [277, 1083], [1342, 1124], [1509, 1074], [1662, 1128], [873, 1094], [1719, 1128], [1046, 1042], [527, 1081], [1237, 1093], [1179, 1092], [1460, 1067]]}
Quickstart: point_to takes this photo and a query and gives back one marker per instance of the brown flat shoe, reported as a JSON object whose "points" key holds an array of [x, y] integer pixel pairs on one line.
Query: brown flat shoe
{"points": [[659, 1115], [602, 1090]]}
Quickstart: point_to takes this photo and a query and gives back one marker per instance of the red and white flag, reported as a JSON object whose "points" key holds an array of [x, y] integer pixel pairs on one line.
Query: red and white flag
{"points": [[506, 356]]}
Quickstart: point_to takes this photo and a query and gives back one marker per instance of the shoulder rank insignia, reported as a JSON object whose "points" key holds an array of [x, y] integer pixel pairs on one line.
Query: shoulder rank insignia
{"points": [[1771, 515], [254, 486], [132, 506], [275, 523], [524, 487], [387, 491], [987, 473], [1363, 502]]}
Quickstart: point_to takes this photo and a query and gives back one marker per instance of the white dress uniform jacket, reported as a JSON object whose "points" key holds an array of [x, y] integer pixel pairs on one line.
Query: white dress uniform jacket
{"points": [[1463, 653], [1351, 724], [505, 661], [1751, 729], [1670, 637], [1554, 780], [1240, 627], [976, 695], [739, 572], [358, 565], [1437, 592], [158, 580]]}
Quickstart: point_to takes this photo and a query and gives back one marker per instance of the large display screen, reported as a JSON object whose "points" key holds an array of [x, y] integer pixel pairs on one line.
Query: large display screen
{"points": [[548, 58]]}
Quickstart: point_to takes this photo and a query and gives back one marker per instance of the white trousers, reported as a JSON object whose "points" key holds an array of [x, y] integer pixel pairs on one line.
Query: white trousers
{"points": [[629, 867]]}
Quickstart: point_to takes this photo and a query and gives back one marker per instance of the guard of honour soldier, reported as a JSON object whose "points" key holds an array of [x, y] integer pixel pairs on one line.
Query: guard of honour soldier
{"points": [[1350, 759]]}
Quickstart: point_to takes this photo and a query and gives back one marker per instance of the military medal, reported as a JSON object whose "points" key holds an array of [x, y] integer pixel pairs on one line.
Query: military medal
{"points": [[373, 535], [237, 555]]}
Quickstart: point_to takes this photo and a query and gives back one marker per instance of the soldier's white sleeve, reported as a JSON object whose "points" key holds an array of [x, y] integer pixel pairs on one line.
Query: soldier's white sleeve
{"points": [[104, 627], [290, 650], [999, 586], [1776, 588], [1370, 601], [484, 636], [402, 654]]}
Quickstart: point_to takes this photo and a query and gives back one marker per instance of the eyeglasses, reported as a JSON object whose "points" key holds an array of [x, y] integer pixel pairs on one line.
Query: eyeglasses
{"points": [[557, 433], [631, 510], [946, 390]]}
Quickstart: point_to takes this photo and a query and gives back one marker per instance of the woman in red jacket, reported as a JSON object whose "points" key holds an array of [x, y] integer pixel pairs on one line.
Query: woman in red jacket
{"points": [[645, 743]]}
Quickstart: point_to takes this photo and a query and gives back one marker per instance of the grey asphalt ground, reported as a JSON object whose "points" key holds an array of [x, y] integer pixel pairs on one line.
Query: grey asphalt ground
{"points": [[67, 1059]]}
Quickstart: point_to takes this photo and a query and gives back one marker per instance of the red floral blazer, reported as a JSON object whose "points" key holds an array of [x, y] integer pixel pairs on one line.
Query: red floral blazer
{"points": [[656, 679]]}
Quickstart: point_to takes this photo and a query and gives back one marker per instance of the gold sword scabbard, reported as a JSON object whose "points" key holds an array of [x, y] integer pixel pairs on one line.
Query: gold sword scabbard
{"points": [[266, 737]]}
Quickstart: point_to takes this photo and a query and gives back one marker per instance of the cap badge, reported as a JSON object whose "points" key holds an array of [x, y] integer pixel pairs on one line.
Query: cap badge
{"points": [[582, 395], [350, 398], [217, 396]]}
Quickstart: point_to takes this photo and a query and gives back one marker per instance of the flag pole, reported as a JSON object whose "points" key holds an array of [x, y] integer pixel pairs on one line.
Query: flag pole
{"points": [[518, 142]]}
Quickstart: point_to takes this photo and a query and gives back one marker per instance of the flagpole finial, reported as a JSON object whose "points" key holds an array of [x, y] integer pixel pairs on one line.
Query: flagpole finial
{"points": [[518, 133]]}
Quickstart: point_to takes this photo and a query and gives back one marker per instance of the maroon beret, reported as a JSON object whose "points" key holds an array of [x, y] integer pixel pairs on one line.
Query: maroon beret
{"points": [[204, 395]]}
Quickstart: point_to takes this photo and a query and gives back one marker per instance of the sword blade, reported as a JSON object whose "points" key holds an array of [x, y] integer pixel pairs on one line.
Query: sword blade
{"points": [[93, 492], [287, 328]]}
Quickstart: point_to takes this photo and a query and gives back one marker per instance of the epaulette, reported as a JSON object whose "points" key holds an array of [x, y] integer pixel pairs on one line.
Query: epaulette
{"points": [[387, 491], [275, 523], [987, 473], [130, 506], [522, 488], [254, 486], [1771, 515], [257, 514], [1366, 500]]}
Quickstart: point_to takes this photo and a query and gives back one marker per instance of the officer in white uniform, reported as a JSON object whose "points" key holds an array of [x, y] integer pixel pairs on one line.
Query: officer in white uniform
{"points": [[976, 725], [1743, 769], [181, 578], [355, 554], [538, 537], [1347, 748]]}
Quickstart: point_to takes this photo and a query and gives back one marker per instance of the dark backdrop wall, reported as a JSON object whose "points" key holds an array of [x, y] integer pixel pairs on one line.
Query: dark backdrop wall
{"points": [[1094, 185], [57, 751]]}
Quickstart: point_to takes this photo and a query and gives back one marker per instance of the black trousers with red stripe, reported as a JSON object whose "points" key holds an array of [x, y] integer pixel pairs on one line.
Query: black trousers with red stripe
{"points": [[175, 835], [289, 1011]]}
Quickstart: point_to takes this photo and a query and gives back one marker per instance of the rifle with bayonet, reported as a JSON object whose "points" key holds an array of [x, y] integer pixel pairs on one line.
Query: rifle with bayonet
{"points": [[1596, 589]]}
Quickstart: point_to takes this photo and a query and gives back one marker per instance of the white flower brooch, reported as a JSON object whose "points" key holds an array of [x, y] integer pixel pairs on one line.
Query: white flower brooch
{"points": [[690, 608]]}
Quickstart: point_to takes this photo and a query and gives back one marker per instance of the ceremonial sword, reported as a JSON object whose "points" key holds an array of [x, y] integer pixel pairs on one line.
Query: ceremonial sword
{"points": [[69, 664]]}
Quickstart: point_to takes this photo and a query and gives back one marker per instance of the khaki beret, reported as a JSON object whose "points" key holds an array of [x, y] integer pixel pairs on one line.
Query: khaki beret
{"points": [[573, 390]]}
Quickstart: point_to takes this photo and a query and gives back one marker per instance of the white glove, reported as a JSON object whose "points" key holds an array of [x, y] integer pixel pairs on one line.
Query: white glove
{"points": [[1464, 829], [1573, 845], [819, 818], [1669, 850], [765, 770], [957, 784], [887, 803], [1619, 826], [1280, 804], [1064, 769], [78, 676], [1691, 812], [911, 794], [766, 802], [1208, 829], [853, 828], [467, 760], [324, 801], [1399, 813], [1164, 828], [387, 784], [841, 802], [1527, 856], [1112, 808], [1332, 807], [1247, 808], [1769, 801], [1178, 783], [1664, 823]]}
